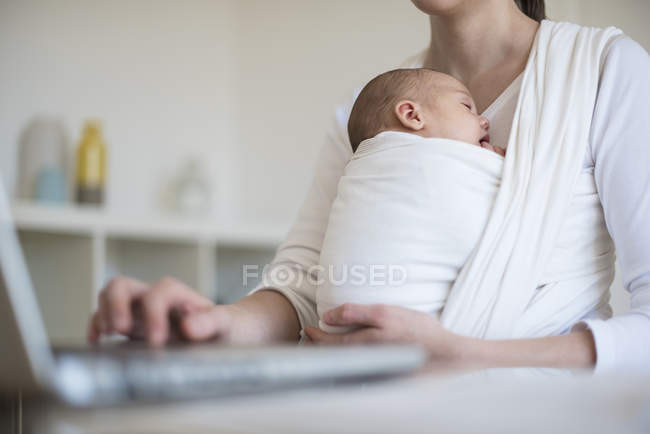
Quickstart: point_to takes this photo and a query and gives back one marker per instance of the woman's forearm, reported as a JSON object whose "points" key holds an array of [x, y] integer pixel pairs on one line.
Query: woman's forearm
{"points": [[273, 316], [572, 350]]}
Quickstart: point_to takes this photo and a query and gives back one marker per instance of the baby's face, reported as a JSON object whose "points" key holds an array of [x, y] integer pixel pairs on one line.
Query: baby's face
{"points": [[451, 113]]}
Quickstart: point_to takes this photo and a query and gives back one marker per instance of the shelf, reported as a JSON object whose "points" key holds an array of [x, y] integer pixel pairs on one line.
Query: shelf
{"points": [[89, 220], [82, 220]]}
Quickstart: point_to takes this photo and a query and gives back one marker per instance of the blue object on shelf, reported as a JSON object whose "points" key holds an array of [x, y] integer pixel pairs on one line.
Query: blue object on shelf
{"points": [[50, 185]]}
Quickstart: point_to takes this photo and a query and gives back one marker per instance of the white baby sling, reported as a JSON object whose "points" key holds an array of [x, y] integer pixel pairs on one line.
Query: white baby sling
{"points": [[545, 258]]}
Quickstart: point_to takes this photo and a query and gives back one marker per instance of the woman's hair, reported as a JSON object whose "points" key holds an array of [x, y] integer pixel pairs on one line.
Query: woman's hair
{"points": [[535, 9]]}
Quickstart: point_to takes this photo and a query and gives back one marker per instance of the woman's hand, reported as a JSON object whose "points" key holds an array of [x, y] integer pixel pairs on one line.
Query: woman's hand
{"points": [[391, 324], [169, 308]]}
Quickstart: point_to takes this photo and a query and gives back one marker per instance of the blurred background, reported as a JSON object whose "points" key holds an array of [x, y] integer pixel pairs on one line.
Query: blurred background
{"points": [[207, 116]]}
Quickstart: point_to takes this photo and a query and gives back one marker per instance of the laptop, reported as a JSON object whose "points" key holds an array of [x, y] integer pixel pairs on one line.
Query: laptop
{"points": [[117, 373]]}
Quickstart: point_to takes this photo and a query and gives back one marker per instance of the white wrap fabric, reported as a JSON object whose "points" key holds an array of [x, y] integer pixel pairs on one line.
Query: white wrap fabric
{"points": [[408, 212], [535, 235], [513, 247]]}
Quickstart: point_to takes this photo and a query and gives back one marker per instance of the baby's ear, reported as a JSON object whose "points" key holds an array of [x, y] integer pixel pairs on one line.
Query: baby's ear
{"points": [[410, 115]]}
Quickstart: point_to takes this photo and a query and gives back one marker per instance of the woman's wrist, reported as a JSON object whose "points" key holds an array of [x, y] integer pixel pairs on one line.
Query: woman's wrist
{"points": [[575, 350]]}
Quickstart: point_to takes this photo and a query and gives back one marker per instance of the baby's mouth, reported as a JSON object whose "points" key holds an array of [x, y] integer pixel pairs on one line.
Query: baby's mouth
{"points": [[485, 140]]}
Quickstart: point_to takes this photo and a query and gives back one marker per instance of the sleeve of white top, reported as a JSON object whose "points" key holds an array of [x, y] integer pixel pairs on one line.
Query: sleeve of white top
{"points": [[289, 272], [620, 150]]}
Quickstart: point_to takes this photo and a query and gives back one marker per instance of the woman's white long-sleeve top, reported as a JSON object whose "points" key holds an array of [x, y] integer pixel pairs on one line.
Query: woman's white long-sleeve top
{"points": [[619, 151]]}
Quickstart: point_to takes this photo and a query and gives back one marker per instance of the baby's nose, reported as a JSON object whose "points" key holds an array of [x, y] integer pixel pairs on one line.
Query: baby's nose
{"points": [[485, 124]]}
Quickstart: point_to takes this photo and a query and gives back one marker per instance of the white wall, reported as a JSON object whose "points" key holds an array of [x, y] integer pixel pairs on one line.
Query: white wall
{"points": [[154, 71], [630, 15]]}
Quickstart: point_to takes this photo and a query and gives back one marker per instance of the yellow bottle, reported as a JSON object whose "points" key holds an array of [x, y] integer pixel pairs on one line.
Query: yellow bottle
{"points": [[91, 165]]}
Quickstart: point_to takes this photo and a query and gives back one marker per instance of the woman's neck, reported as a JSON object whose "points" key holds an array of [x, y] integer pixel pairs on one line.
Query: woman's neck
{"points": [[469, 44]]}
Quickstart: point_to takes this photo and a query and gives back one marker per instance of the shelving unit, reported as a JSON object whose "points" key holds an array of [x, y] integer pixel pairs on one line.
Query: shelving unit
{"points": [[72, 252]]}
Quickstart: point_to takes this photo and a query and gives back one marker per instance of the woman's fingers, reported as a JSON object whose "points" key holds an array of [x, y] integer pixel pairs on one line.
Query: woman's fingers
{"points": [[350, 314], [94, 327], [158, 302], [206, 324], [137, 309], [155, 310], [115, 304], [363, 336], [317, 336]]}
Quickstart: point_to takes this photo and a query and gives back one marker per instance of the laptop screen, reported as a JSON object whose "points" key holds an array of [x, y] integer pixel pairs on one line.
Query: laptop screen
{"points": [[27, 361]]}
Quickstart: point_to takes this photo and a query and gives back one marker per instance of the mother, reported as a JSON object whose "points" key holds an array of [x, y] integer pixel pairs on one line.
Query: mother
{"points": [[485, 44]]}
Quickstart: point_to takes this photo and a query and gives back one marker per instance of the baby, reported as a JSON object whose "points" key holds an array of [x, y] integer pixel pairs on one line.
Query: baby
{"points": [[415, 197], [418, 101]]}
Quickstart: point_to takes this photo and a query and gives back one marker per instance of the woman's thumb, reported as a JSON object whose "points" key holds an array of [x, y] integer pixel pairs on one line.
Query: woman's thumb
{"points": [[205, 324]]}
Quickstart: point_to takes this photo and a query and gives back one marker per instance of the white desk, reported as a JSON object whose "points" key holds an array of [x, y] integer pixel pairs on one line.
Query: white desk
{"points": [[422, 403]]}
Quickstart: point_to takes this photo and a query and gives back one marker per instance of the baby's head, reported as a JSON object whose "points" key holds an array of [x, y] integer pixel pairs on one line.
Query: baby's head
{"points": [[419, 101]]}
